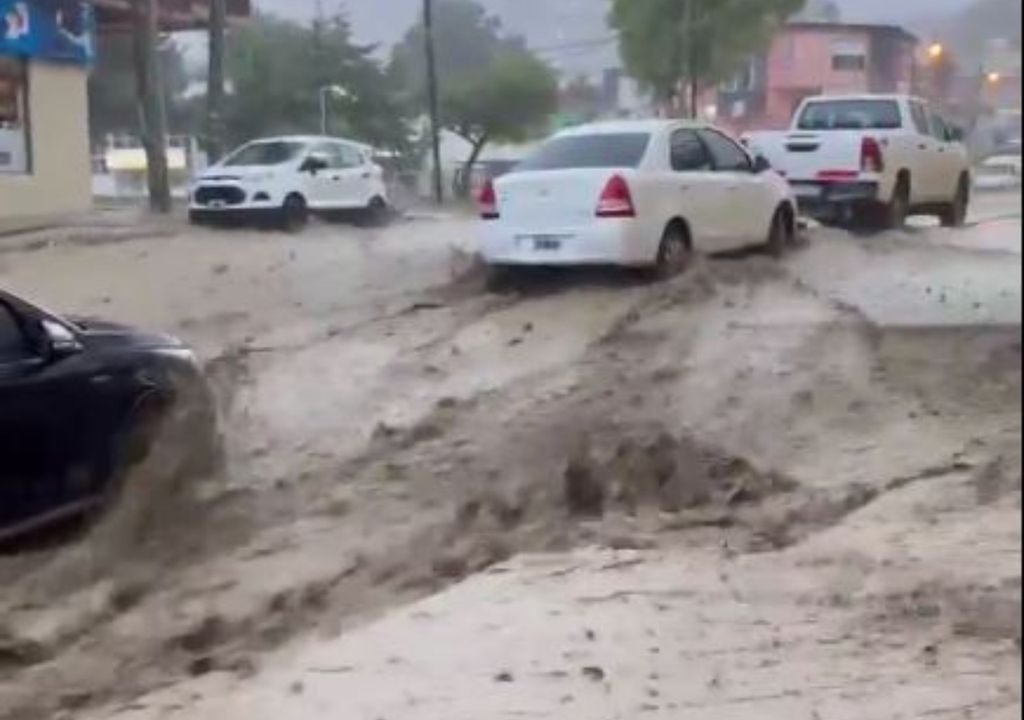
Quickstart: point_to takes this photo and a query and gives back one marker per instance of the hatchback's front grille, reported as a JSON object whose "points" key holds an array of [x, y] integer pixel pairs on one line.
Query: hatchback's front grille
{"points": [[228, 195]]}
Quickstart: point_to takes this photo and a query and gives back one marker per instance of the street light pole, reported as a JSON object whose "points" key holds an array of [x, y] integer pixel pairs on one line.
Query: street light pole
{"points": [[435, 138], [323, 109], [337, 91]]}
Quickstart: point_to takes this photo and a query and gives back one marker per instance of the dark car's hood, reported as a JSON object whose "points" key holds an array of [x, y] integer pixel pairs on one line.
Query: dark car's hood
{"points": [[95, 332]]}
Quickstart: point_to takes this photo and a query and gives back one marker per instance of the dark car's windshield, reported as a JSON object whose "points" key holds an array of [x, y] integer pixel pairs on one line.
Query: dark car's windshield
{"points": [[273, 152], [601, 150], [851, 115]]}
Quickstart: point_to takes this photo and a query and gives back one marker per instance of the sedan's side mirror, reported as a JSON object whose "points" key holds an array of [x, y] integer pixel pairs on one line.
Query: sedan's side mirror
{"points": [[314, 163], [761, 164], [60, 341], [955, 134]]}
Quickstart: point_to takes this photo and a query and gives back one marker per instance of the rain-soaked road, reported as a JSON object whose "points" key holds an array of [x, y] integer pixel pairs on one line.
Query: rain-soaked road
{"points": [[394, 428]]}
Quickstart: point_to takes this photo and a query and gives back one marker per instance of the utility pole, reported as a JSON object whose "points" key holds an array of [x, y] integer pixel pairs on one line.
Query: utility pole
{"points": [[215, 82], [435, 130], [149, 89], [691, 60]]}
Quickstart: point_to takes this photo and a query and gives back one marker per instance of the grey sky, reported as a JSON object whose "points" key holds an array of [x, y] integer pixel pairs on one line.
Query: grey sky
{"points": [[555, 23], [373, 23]]}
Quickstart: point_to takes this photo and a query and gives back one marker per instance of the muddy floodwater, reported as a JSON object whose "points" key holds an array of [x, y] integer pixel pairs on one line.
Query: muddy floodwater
{"points": [[772, 489]]}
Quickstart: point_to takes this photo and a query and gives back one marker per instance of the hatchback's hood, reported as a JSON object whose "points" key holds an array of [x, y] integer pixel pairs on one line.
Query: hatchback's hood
{"points": [[95, 332], [237, 173]]}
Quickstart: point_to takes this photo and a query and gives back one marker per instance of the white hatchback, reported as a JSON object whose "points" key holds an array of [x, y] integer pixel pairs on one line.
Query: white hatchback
{"points": [[281, 180], [634, 193]]}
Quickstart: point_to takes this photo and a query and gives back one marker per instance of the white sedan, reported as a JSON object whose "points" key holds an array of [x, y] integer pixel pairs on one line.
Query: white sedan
{"points": [[636, 194]]}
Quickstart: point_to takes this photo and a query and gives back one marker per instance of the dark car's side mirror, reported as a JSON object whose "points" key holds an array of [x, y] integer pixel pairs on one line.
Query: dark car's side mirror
{"points": [[314, 164], [761, 164], [60, 341]]}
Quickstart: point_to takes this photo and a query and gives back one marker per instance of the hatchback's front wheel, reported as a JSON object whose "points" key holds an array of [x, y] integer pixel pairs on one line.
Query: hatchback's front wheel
{"points": [[294, 213]]}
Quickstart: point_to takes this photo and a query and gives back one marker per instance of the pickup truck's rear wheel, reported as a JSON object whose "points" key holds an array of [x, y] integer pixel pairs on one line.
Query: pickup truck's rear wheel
{"points": [[894, 213], [954, 213]]}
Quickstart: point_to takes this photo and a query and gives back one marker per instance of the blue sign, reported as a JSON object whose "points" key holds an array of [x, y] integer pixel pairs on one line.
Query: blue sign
{"points": [[62, 30]]}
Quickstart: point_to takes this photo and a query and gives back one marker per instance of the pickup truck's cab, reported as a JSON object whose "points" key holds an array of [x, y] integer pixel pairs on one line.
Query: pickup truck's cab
{"points": [[876, 157]]}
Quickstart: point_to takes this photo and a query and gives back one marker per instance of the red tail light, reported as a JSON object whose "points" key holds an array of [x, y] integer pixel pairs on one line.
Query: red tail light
{"points": [[616, 200], [871, 159], [488, 202]]}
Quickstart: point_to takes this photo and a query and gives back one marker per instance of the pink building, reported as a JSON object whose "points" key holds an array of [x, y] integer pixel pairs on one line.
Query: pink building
{"points": [[814, 58]]}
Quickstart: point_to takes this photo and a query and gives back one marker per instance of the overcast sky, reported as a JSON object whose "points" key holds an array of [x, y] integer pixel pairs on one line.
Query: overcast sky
{"points": [[373, 23], [550, 24]]}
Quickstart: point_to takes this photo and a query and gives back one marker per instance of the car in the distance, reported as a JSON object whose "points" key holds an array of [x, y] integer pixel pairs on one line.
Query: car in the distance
{"points": [[871, 159], [81, 402], [282, 180], [633, 193], [999, 172]]}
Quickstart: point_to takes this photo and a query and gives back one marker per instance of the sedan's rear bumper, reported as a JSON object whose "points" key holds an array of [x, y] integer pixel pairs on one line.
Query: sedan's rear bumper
{"points": [[607, 241]]}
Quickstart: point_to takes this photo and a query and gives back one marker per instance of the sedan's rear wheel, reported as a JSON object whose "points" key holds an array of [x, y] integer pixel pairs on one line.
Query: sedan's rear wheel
{"points": [[501, 278], [674, 252], [780, 233]]}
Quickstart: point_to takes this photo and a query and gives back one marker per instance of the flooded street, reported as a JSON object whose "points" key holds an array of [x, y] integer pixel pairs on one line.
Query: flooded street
{"points": [[408, 451]]}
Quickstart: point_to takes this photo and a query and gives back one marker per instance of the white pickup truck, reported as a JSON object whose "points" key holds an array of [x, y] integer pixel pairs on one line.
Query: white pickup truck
{"points": [[870, 158]]}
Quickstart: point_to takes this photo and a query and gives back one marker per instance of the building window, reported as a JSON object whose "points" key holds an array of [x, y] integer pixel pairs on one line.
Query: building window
{"points": [[15, 156], [849, 56]]}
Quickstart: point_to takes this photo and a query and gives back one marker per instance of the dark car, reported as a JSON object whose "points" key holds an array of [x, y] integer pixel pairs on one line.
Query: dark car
{"points": [[82, 400]]}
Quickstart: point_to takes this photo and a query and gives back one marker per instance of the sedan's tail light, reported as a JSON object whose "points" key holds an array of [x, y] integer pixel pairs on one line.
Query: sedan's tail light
{"points": [[871, 159], [488, 202], [616, 199]]}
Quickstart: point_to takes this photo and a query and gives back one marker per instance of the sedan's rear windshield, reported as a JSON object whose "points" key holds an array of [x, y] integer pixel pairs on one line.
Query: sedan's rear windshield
{"points": [[850, 115], [601, 150], [274, 152]]}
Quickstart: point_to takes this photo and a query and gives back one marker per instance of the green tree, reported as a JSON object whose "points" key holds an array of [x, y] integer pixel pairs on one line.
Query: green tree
{"points": [[276, 69], [509, 101], [672, 45], [466, 40], [491, 87]]}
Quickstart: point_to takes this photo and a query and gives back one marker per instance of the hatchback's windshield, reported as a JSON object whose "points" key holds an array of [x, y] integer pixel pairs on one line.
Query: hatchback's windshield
{"points": [[603, 150], [265, 153], [850, 115]]}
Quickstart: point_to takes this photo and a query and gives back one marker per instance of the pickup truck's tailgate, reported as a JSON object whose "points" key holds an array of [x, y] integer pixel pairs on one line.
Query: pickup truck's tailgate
{"points": [[809, 155]]}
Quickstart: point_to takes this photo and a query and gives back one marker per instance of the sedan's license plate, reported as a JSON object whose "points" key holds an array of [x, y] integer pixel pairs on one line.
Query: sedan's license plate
{"points": [[807, 191], [542, 243]]}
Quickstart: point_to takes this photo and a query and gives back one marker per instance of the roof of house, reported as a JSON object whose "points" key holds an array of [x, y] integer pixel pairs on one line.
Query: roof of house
{"points": [[854, 27]]}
